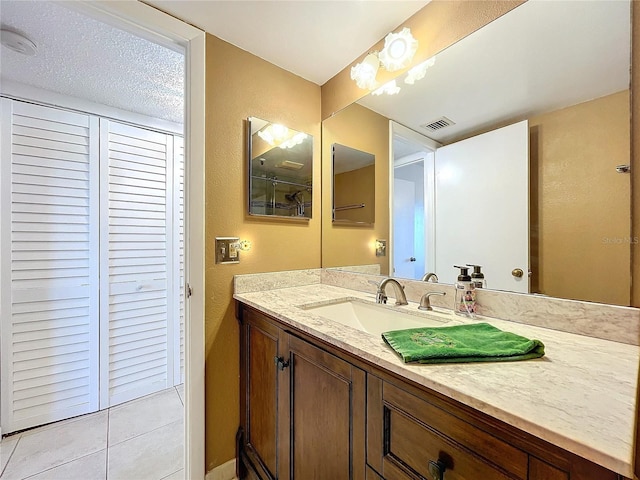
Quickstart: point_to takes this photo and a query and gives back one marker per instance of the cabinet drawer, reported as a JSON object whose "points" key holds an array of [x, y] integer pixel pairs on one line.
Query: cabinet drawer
{"points": [[417, 432]]}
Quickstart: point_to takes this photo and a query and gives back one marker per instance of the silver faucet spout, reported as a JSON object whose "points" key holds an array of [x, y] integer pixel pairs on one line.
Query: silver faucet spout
{"points": [[430, 276], [381, 296]]}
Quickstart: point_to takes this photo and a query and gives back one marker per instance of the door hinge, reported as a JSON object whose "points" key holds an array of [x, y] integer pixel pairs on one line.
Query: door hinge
{"points": [[188, 290]]}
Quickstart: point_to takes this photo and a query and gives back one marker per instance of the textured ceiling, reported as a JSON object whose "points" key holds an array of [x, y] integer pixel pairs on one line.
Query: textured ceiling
{"points": [[84, 58]]}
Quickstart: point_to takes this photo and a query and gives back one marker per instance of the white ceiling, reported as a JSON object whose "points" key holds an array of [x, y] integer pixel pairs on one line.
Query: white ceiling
{"points": [[541, 56], [84, 58], [314, 39]]}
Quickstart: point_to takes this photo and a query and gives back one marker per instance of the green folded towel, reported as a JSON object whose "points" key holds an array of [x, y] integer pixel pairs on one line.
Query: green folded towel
{"points": [[478, 342]]}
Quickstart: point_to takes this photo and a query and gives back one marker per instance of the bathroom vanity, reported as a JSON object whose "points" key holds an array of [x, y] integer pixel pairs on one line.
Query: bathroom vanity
{"points": [[323, 400]]}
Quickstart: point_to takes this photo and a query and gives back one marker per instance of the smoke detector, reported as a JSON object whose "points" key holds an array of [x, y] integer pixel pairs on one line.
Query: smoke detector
{"points": [[17, 42]]}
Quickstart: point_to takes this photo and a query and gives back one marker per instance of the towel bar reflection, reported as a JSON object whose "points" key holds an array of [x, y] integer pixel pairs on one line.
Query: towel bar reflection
{"points": [[350, 207]]}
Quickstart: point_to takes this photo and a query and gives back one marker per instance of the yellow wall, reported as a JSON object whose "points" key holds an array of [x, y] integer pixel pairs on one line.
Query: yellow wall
{"points": [[579, 202], [354, 188], [360, 128], [239, 85]]}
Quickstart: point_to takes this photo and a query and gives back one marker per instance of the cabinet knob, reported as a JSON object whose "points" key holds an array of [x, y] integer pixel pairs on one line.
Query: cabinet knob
{"points": [[281, 363], [436, 470], [412, 259]]}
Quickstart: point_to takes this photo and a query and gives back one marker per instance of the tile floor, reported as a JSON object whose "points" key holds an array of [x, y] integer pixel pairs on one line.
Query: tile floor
{"points": [[138, 440]]}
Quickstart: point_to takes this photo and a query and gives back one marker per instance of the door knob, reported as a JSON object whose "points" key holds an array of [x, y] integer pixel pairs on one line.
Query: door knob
{"points": [[412, 259], [517, 272]]}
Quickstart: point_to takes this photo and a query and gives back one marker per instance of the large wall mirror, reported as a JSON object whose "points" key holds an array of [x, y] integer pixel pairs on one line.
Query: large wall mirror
{"points": [[280, 170], [564, 68], [354, 185]]}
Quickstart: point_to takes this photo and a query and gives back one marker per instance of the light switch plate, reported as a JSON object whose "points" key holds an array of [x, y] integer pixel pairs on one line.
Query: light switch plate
{"points": [[227, 250]]}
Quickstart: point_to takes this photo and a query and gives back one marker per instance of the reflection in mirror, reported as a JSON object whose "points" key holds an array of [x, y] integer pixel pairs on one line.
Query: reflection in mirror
{"points": [[354, 182], [280, 170], [563, 67]]}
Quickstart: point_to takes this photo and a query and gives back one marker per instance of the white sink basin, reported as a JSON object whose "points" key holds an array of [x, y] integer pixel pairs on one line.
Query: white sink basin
{"points": [[375, 319]]}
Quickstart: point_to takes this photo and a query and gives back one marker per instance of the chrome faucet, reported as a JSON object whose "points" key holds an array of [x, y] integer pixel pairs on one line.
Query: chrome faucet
{"points": [[381, 296], [425, 303], [429, 276]]}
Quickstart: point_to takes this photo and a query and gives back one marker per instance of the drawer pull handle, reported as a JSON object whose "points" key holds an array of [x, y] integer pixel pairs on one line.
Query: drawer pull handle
{"points": [[436, 470], [280, 362]]}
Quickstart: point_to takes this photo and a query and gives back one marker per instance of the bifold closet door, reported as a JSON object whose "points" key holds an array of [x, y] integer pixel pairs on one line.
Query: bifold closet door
{"points": [[139, 311], [49, 241], [178, 148]]}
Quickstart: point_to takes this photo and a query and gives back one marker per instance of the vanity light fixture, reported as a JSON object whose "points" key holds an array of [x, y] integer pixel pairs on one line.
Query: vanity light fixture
{"points": [[390, 88], [279, 135], [364, 73], [274, 134], [399, 49], [419, 71], [297, 139]]}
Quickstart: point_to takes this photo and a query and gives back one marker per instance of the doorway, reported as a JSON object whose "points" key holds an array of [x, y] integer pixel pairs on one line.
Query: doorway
{"points": [[412, 203], [138, 17]]}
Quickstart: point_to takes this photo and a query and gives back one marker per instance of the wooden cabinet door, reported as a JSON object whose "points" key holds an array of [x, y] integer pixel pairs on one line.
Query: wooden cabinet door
{"points": [[326, 405], [259, 394]]}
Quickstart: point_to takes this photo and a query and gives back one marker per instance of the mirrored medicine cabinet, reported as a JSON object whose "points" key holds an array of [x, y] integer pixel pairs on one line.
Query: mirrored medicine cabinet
{"points": [[280, 170], [353, 174]]}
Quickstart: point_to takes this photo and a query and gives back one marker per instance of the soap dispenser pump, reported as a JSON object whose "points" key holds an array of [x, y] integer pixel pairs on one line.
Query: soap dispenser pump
{"points": [[465, 301], [477, 277]]}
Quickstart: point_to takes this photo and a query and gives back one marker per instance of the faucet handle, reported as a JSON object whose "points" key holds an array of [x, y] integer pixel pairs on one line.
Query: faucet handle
{"points": [[425, 303]]}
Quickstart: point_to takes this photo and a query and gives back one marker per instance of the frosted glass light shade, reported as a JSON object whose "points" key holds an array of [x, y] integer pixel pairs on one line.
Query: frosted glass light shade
{"points": [[419, 71], [274, 134], [364, 73], [399, 49], [390, 88]]}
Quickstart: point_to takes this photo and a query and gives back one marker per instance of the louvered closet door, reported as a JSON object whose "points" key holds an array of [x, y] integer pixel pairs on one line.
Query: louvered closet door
{"points": [[49, 264], [178, 148], [138, 309]]}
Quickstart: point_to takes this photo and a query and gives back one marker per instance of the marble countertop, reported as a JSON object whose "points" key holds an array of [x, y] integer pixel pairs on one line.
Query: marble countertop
{"points": [[580, 396]]}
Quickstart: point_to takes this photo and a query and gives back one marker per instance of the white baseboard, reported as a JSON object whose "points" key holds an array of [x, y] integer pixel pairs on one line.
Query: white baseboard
{"points": [[226, 471]]}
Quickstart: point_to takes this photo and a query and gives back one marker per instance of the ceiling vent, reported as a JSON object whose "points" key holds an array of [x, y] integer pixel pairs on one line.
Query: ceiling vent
{"points": [[438, 124]]}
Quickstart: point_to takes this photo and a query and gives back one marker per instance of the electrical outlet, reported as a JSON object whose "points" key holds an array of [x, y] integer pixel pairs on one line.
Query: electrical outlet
{"points": [[227, 250]]}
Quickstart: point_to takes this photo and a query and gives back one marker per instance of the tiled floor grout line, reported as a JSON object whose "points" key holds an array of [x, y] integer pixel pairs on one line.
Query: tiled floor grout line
{"points": [[144, 433], [65, 463], [10, 455]]}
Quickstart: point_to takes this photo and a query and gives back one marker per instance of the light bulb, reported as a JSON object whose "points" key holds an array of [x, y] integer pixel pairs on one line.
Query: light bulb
{"points": [[399, 49], [364, 73]]}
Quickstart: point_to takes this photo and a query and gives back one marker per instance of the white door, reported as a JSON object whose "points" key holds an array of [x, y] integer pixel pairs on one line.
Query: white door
{"points": [[482, 207], [404, 198], [178, 225], [139, 313], [48, 238]]}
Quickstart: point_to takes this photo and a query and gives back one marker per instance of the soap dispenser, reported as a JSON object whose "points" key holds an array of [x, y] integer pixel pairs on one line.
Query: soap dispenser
{"points": [[465, 300], [477, 277]]}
